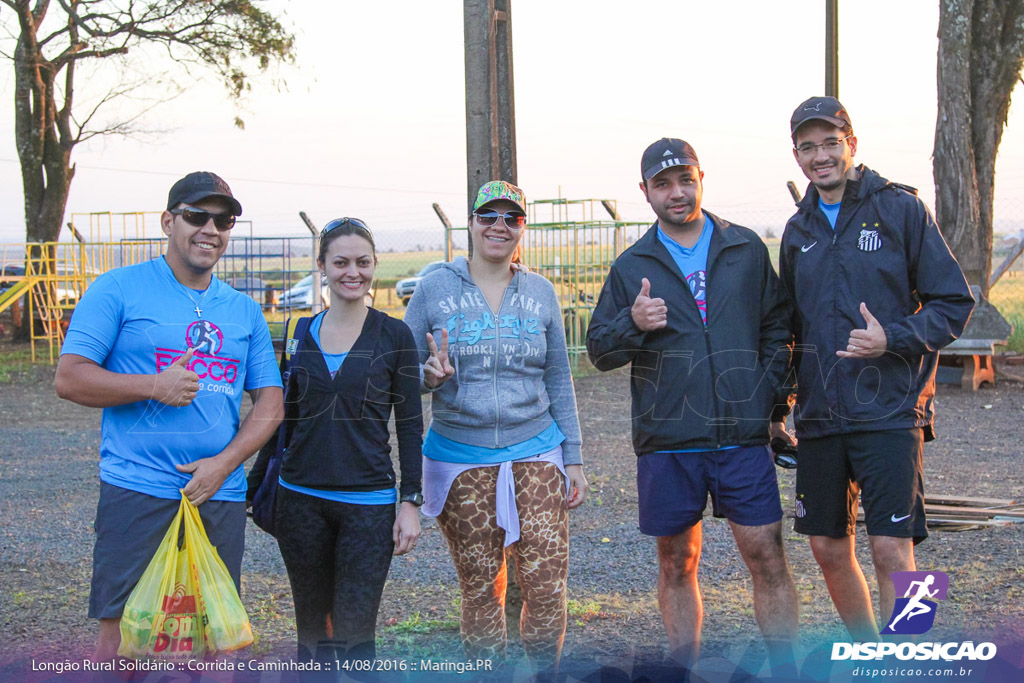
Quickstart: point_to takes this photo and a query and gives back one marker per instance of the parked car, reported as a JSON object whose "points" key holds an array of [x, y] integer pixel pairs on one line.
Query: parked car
{"points": [[405, 288], [301, 294], [250, 285]]}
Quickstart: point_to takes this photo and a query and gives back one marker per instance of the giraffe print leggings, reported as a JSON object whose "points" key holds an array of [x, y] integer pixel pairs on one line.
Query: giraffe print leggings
{"points": [[468, 522]]}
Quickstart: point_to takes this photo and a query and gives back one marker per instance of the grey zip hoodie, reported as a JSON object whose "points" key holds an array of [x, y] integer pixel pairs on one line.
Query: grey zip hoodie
{"points": [[512, 374]]}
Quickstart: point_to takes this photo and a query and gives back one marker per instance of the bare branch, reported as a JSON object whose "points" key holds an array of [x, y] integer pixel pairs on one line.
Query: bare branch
{"points": [[233, 39]]}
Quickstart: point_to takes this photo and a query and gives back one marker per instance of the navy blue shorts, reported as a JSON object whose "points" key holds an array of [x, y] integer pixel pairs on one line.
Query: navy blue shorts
{"points": [[673, 488], [129, 528], [883, 469]]}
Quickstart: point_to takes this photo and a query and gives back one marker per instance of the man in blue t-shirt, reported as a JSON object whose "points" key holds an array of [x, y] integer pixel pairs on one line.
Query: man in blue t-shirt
{"points": [[166, 349], [696, 308]]}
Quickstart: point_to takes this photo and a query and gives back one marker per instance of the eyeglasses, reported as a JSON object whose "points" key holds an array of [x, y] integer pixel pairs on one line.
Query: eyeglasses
{"points": [[338, 222], [513, 219], [830, 145], [198, 218]]}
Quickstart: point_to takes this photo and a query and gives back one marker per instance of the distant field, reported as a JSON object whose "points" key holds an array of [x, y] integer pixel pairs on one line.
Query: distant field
{"points": [[1008, 297]]}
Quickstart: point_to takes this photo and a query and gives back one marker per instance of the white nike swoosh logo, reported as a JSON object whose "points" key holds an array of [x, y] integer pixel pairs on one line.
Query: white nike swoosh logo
{"points": [[895, 519], [807, 247]]}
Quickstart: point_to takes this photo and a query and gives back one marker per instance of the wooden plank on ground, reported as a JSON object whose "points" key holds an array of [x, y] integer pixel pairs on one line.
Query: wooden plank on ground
{"points": [[943, 499], [964, 511], [942, 521]]}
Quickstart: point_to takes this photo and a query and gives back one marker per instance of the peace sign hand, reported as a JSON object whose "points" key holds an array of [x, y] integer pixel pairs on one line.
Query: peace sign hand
{"points": [[438, 368]]}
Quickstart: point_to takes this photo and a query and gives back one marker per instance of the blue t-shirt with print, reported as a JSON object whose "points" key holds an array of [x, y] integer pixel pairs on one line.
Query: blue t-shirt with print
{"points": [[138, 320], [693, 263]]}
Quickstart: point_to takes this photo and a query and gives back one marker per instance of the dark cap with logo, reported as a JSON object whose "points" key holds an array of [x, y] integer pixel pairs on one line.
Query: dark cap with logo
{"points": [[666, 153], [821, 108], [201, 185]]}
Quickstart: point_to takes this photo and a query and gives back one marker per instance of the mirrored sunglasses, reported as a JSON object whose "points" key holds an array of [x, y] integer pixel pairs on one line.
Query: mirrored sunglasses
{"points": [[513, 219]]}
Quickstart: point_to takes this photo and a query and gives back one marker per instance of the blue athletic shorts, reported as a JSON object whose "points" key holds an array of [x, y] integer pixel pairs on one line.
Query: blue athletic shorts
{"points": [[673, 488], [129, 528]]}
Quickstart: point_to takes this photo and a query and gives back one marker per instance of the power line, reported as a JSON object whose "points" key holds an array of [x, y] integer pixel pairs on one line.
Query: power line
{"points": [[294, 183]]}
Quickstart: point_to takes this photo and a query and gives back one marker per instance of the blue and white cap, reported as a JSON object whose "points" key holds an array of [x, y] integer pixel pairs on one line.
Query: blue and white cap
{"points": [[666, 153]]}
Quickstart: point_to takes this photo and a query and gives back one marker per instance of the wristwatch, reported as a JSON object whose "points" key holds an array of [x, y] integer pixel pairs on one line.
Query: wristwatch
{"points": [[414, 498]]}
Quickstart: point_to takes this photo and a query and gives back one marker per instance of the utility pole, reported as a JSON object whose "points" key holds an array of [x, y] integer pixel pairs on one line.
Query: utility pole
{"points": [[832, 48], [490, 101]]}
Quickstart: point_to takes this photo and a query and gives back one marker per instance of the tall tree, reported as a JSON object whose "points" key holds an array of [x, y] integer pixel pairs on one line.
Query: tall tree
{"points": [[981, 53], [53, 41]]}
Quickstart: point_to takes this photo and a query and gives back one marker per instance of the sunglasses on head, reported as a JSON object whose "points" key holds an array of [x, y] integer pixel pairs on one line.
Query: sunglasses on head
{"points": [[513, 219], [339, 222], [198, 218]]}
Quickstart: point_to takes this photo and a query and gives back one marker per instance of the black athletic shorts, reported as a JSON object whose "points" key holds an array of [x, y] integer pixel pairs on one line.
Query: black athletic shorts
{"points": [[129, 528], [884, 468]]}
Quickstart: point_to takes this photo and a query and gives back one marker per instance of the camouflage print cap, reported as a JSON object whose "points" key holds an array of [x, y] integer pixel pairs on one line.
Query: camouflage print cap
{"points": [[500, 189]]}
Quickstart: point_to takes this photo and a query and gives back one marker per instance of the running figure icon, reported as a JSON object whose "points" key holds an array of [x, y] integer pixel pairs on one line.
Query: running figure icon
{"points": [[915, 606]]}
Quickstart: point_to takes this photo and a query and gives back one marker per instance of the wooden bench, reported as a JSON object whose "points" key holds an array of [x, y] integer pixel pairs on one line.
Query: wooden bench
{"points": [[969, 358], [974, 357]]}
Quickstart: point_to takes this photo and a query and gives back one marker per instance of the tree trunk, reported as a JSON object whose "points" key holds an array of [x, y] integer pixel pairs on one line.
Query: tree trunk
{"points": [[43, 136], [981, 52]]}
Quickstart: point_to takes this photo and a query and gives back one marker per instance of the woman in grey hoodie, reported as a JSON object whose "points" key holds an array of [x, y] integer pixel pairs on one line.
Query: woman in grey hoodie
{"points": [[502, 462]]}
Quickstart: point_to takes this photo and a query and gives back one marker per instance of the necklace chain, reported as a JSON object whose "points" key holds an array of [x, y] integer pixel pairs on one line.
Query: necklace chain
{"points": [[197, 302]]}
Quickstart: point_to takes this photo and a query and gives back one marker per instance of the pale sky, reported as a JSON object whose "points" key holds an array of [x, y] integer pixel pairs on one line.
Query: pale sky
{"points": [[372, 121]]}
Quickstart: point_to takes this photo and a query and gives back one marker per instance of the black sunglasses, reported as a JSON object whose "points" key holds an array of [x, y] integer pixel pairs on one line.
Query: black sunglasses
{"points": [[785, 454], [198, 218], [513, 219], [338, 222]]}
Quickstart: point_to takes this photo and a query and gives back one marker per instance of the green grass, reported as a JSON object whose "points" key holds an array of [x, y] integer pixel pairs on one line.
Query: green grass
{"points": [[15, 362], [415, 623], [1008, 298]]}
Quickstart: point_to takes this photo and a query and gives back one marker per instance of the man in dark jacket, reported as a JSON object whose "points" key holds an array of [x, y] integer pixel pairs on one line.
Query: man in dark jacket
{"points": [[697, 309], [877, 294]]}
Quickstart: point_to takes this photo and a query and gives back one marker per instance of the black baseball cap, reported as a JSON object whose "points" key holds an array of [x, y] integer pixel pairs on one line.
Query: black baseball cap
{"points": [[201, 185], [665, 153], [822, 108]]}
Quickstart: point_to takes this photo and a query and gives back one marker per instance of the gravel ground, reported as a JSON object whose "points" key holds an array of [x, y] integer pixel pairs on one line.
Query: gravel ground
{"points": [[49, 486]]}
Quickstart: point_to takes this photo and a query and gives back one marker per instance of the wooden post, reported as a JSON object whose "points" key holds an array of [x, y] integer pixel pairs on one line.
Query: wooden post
{"points": [[832, 48], [490, 101]]}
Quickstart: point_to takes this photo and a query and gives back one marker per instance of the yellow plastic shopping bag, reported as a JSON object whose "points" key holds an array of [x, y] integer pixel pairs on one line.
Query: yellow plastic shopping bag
{"points": [[226, 625], [185, 604]]}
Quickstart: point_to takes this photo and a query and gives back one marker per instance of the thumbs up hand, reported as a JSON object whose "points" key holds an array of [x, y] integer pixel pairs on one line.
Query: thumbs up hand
{"points": [[176, 386], [869, 342], [649, 314]]}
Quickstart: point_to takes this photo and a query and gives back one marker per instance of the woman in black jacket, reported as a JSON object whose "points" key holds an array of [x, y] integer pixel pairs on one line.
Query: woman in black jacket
{"points": [[335, 511]]}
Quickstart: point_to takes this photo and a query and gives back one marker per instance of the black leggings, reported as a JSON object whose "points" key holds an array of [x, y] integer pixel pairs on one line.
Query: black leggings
{"points": [[337, 556]]}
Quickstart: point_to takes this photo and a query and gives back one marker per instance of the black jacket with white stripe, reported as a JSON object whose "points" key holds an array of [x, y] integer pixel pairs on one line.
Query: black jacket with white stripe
{"points": [[886, 251]]}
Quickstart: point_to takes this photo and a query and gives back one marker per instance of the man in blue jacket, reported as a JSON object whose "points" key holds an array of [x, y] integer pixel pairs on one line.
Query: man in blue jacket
{"points": [[877, 294], [697, 310]]}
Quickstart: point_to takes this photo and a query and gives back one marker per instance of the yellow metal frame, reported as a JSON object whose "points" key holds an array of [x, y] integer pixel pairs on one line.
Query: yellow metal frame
{"points": [[57, 275]]}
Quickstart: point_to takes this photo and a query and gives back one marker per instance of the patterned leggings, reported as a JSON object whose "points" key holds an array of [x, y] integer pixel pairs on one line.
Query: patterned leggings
{"points": [[469, 524], [337, 556]]}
